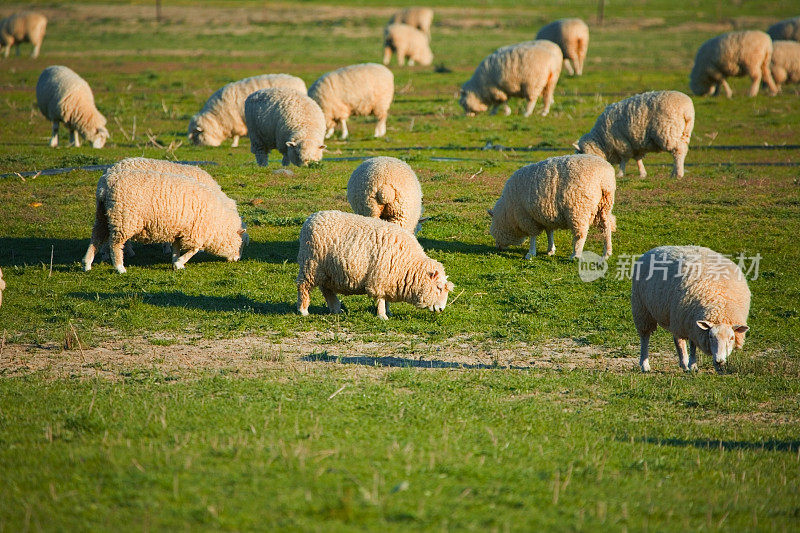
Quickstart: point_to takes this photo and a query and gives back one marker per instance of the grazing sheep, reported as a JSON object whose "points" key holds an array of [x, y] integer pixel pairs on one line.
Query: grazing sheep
{"points": [[22, 27], [572, 36], [63, 96], [222, 115], [738, 53], [285, 120], [407, 42], [416, 17], [386, 188], [525, 70], [365, 89], [656, 121], [2, 287], [565, 192], [696, 294], [150, 206], [785, 30], [343, 253], [785, 65]]}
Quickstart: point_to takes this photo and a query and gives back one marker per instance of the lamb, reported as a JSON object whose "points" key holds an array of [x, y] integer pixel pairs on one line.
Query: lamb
{"points": [[27, 26], [524, 70], [696, 294], [572, 36], [63, 96], [407, 42], [286, 120], [656, 121], [2, 286], [222, 115], [785, 30], [386, 188], [737, 53], [365, 89], [350, 254], [785, 65], [565, 192], [417, 17], [151, 206]]}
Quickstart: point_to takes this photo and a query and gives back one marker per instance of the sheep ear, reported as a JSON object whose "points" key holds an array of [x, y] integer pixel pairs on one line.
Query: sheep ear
{"points": [[323, 146], [198, 129], [741, 329], [241, 231], [491, 213], [450, 286], [575, 145], [291, 143], [434, 274], [704, 324]]}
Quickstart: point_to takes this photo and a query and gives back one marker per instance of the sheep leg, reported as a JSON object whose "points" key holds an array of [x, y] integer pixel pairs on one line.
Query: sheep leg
{"points": [[343, 124], [177, 265], [6, 50], [262, 156], [621, 171], [35, 52], [642, 171], [76, 138], [692, 356], [547, 96], [17, 46], [766, 73], [568, 66], [54, 138], [383, 309], [683, 357], [607, 248], [117, 255], [380, 127], [176, 251], [756, 85], [728, 91], [329, 132], [529, 107], [532, 248], [387, 54], [286, 161], [551, 245], [410, 62], [303, 297], [679, 155], [401, 57], [333, 303], [235, 142], [577, 243], [644, 357]]}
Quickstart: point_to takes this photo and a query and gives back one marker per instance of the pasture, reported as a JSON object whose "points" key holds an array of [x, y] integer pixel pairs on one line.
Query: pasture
{"points": [[200, 399]]}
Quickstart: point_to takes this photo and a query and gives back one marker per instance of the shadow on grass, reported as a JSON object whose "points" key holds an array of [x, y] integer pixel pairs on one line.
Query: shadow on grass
{"points": [[203, 303], [457, 246], [401, 362], [275, 252], [768, 445]]}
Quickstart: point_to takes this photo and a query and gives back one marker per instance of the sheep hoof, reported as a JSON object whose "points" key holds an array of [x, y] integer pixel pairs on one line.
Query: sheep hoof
{"points": [[177, 266], [645, 367], [383, 317], [551, 252], [530, 256], [121, 270], [573, 257], [303, 312], [86, 266]]}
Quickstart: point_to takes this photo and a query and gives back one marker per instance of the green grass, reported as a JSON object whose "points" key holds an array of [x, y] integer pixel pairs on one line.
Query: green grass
{"points": [[258, 444]]}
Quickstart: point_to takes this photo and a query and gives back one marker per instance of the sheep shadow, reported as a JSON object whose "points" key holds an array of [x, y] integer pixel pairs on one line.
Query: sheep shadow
{"points": [[715, 444], [225, 304], [274, 252], [35, 250], [400, 362], [456, 246]]}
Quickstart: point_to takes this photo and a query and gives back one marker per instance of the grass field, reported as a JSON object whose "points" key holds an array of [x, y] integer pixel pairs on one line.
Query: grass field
{"points": [[199, 399]]}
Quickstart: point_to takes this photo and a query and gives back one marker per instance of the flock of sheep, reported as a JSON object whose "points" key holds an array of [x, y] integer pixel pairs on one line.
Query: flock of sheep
{"points": [[375, 251]]}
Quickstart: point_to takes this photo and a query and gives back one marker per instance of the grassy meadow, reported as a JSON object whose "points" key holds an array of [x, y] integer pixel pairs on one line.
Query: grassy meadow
{"points": [[200, 399]]}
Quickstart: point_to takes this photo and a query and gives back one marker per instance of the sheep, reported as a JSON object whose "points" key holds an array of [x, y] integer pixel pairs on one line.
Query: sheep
{"points": [[386, 188], [63, 96], [407, 42], [785, 65], [565, 192], [286, 120], [737, 53], [694, 293], [417, 17], [352, 254], [524, 70], [656, 121], [2, 286], [365, 89], [27, 26], [222, 115], [572, 36], [152, 206], [785, 30]]}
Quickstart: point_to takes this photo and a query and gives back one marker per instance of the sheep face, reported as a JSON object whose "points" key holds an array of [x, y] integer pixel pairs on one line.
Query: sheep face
{"points": [[425, 57], [586, 145], [471, 103], [721, 339], [432, 289], [505, 234], [100, 137], [202, 132], [301, 153]]}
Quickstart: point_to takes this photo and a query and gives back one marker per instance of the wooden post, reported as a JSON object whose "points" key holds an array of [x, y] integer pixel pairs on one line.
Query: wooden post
{"points": [[158, 11], [601, 5]]}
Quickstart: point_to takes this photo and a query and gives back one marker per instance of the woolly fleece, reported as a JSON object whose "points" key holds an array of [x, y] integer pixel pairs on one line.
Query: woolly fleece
{"points": [[416, 17], [785, 30], [407, 42], [785, 65], [22, 27], [386, 188], [572, 36]]}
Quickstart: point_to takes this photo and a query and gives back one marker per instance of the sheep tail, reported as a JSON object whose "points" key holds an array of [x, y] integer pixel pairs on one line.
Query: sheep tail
{"points": [[385, 195], [603, 216]]}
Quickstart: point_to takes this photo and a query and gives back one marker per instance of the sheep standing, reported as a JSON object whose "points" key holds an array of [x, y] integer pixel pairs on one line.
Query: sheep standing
{"points": [[785, 30], [526, 70], [738, 53], [572, 36], [365, 89], [696, 294], [342, 253], [22, 27], [386, 188], [222, 115], [416, 17], [285, 120], [656, 121], [63, 96], [407, 42], [785, 65], [565, 192], [152, 206]]}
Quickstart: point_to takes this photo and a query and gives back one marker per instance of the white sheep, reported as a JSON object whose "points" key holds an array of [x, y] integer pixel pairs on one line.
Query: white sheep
{"points": [[417, 17], [785, 30], [386, 188], [27, 26], [785, 65], [738, 53], [566, 192], [365, 89], [343, 253], [407, 42], [572, 36], [152, 206], [656, 121], [222, 115], [2, 287], [524, 70], [63, 96], [285, 120], [694, 293]]}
